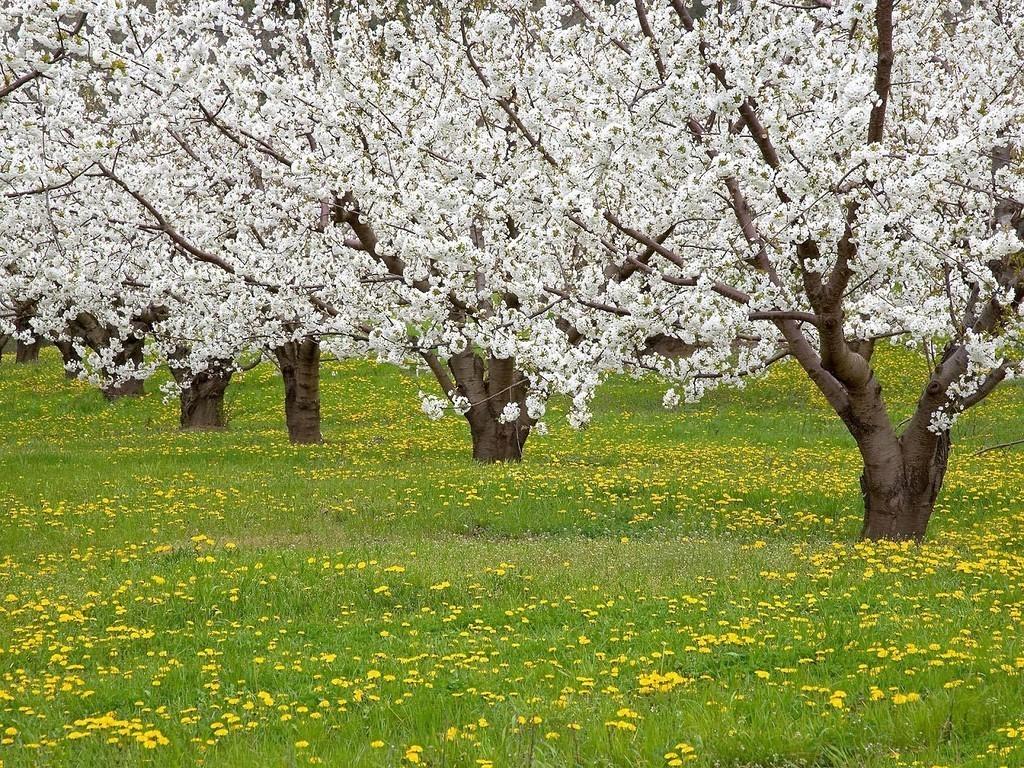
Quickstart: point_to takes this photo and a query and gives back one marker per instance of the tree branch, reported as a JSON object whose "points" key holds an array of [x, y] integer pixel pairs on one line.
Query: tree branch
{"points": [[645, 27], [720, 288], [883, 70], [998, 447], [28, 77]]}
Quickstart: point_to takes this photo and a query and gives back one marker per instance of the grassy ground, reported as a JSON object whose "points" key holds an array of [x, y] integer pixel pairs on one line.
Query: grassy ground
{"points": [[662, 589]]}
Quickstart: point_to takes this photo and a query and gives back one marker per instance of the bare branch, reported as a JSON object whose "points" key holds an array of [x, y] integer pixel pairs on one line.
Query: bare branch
{"points": [[998, 447]]}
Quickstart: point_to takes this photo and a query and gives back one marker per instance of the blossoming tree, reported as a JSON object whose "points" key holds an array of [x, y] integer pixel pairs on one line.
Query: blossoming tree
{"points": [[779, 180], [126, 222], [420, 207], [525, 197], [302, 162], [36, 39]]}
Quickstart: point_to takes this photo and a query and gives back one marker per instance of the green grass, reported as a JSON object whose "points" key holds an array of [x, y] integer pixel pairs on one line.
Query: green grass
{"points": [[659, 579]]}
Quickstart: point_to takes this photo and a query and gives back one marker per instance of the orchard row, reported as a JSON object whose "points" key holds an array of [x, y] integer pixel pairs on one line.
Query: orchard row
{"points": [[523, 199]]}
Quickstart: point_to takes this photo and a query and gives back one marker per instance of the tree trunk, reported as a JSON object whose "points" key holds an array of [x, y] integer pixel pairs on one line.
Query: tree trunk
{"points": [[300, 370], [28, 353], [490, 384], [70, 357], [98, 337], [899, 497], [128, 388], [201, 398], [494, 441], [202, 401], [131, 352]]}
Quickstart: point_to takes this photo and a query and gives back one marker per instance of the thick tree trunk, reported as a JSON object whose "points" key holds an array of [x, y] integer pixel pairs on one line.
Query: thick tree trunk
{"points": [[202, 405], [300, 370], [201, 398], [899, 497], [70, 356], [494, 441], [490, 384], [902, 474], [28, 353]]}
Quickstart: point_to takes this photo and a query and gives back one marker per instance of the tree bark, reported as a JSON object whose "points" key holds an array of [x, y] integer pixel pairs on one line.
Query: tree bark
{"points": [[489, 385], [28, 353], [127, 388], [300, 369], [70, 357], [202, 404], [202, 395], [899, 497], [494, 441], [131, 352]]}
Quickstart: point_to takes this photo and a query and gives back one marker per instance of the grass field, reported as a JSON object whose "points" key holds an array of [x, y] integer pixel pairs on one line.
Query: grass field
{"points": [[662, 589]]}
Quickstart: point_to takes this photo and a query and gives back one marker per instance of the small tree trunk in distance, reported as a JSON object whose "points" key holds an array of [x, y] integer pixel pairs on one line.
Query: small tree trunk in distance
{"points": [[128, 388], [300, 369], [28, 353], [70, 356], [667, 347], [202, 395], [131, 352]]}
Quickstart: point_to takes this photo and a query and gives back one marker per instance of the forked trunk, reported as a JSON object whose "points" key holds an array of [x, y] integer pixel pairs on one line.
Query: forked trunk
{"points": [[491, 384], [300, 370], [902, 474], [28, 352], [494, 441], [899, 496], [202, 400]]}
